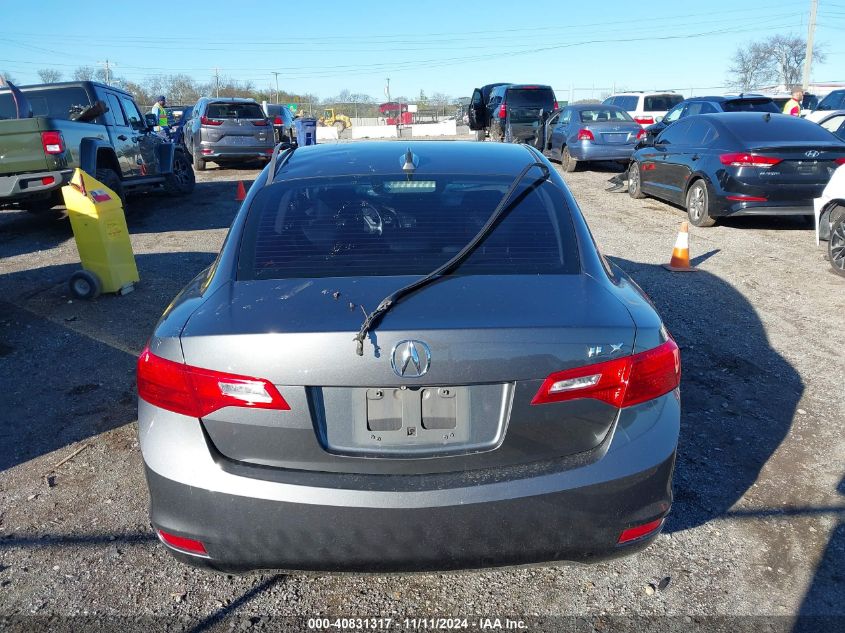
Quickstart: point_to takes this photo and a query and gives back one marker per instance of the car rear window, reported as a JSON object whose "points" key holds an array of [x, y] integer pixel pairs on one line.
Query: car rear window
{"points": [[661, 102], [750, 105], [605, 114], [58, 103], [387, 225], [234, 111], [758, 129]]}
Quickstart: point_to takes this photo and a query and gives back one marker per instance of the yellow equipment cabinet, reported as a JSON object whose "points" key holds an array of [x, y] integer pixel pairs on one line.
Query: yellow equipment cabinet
{"points": [[99, 227]]}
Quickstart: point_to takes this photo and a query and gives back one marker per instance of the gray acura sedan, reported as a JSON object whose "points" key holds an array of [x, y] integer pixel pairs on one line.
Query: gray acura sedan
{"points": [[408, 357]]}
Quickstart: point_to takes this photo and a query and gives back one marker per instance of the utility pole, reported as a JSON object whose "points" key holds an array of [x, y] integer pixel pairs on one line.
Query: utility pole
{"points": [[277, 85], [107, 70], [388, 89], [217, 80], [811, 32]]}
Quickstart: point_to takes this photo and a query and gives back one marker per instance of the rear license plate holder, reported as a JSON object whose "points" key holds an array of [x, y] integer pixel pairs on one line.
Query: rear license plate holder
{"points": [[415, 417]]}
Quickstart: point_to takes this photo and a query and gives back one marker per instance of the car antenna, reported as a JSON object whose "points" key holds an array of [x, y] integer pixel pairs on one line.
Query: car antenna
{"points": [[408, 166]]}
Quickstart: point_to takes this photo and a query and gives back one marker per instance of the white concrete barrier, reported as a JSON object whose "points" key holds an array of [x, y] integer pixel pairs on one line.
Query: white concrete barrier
{"points": [[373, 131], [326, 133], [444, 128]]}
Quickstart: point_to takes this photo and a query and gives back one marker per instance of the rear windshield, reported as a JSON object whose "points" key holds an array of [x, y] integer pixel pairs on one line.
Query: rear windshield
{"points": [[525, 104], [58, 103], [750, 105], [234, 111], [371, 226], [661, 102], [605, 114], [779, 128]]}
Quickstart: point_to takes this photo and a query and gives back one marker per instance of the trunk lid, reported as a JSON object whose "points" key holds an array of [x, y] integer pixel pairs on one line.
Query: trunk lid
{"points": [[802, 173], [20, 146], [492, 341]]}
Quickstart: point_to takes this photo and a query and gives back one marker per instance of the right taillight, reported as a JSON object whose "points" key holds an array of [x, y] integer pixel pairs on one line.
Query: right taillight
{"points": [[503, 111], [52, 142], [197, 392], [622, 382], [740, 159], [207, 121], [642, 134], [644, 120], [839, 161], [277, 120]]}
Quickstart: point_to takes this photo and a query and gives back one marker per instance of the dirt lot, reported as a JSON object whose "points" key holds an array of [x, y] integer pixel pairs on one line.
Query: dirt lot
{"points": [[758, 527]]}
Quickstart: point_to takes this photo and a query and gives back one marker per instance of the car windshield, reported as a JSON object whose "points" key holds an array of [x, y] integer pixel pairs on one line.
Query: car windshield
{"points": [[661, 102], [362, 226], [605, 114], [234, 111], [750, 105]]}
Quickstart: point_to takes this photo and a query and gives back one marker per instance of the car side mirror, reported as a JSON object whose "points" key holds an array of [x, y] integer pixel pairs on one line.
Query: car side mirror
{"points": [[658, 119], [151, 119]]}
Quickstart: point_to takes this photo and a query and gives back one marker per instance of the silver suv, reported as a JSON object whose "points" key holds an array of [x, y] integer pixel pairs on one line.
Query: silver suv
{"points": [[228, 130]]}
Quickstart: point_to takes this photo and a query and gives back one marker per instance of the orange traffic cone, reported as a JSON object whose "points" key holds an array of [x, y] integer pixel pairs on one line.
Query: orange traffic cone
{"points": [[680, 254], [241, 193]]}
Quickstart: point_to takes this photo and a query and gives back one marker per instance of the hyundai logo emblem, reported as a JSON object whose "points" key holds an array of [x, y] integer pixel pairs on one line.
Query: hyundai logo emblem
{"points": [[813, 153], [410, 359]]}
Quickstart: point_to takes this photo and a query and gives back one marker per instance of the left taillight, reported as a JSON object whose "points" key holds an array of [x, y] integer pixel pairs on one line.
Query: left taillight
{"points": [[644, 120], [53, 142], [622, 382], [585, 135], [197, 392], [261, 123]]}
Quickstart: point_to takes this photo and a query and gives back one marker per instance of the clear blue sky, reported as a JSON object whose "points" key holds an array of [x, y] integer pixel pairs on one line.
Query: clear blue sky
{"points": [[452, 47]]}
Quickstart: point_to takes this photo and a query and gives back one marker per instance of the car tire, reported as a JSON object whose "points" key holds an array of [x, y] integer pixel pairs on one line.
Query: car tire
{"points": [[199, 163], [181, 181], [479, 135], [111, 180], [568, 163], [836, 243], [85, 285], [698, 205], [635, 185]]}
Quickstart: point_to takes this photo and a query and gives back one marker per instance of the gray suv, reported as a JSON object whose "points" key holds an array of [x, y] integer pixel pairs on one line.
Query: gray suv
{"points": [[228, 130]]}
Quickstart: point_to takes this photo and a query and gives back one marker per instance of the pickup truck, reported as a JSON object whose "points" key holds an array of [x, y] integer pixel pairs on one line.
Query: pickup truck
{"points": [[83, 124]]}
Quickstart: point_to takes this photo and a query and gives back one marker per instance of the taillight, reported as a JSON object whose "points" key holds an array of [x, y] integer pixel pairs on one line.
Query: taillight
{"points": [[196, 392], [260, 123], [586, 135], [206, 121], [556, 104], [503, 111], [743, 198], [47, 180], [622, 382], [739, 159], [180, 542], [52, 142], [644, 120], [277, 121], [839, 161], [641, 134]]}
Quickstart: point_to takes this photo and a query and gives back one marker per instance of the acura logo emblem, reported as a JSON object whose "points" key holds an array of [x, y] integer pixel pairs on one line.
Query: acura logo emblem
{"points": [[410, 359], [813, 153]]}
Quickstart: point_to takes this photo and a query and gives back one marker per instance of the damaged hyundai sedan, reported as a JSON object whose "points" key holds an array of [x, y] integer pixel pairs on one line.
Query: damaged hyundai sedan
{"points": [[407, 358]]}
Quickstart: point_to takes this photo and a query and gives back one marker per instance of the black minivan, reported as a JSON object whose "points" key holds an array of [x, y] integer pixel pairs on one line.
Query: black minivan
{"points": [[511, 112]]}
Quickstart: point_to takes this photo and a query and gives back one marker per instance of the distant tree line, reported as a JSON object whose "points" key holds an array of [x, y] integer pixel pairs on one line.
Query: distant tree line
{"points": [[182, 89]]}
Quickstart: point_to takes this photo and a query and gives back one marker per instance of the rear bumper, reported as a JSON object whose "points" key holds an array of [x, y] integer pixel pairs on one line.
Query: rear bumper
{"points": [[366, 524], [587, 151], [733, 208], [212, 152], [30, 185]]}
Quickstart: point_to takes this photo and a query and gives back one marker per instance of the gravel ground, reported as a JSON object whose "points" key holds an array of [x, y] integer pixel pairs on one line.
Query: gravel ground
{"points": [[758, 527]]}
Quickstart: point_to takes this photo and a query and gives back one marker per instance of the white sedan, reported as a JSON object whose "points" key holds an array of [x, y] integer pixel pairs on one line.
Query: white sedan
{"points": [[830, 219]]}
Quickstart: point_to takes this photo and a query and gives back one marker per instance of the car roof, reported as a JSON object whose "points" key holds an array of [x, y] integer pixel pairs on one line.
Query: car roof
{"points": [[387, 157], [524, 86], [231, 100], [590, 106], [638, 93]]}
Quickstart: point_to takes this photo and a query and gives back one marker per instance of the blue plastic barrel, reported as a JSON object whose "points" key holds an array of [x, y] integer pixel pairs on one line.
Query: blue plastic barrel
{"points": [[306, 131]]}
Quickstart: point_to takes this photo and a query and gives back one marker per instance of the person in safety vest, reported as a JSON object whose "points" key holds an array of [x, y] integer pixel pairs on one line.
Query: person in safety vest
{"points": [[161, 113], [793, 106]]}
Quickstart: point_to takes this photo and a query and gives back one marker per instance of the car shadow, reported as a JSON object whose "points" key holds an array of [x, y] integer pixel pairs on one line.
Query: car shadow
{"points": [[69, 366], [739, 395]]}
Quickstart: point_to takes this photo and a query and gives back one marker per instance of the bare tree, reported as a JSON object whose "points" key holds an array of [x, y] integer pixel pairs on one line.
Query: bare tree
{"points": [[49, 75], [84, 73], [776, 60], [8, 76]]}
